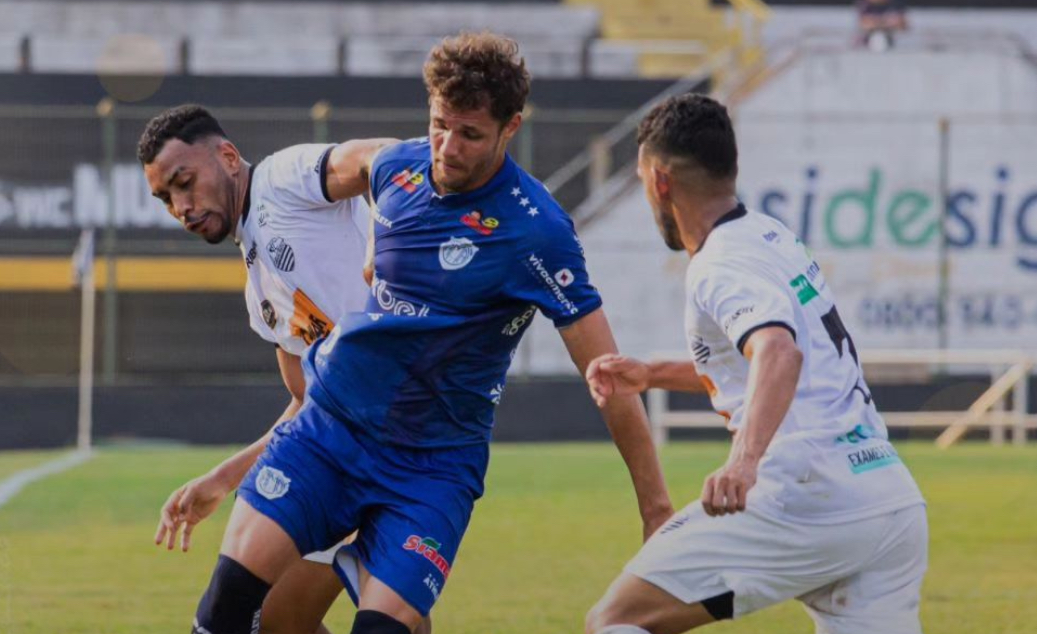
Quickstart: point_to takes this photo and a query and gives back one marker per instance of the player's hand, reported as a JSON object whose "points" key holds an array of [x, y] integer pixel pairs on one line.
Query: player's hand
{"points": [[187, 506], [615, 375], [726, 489]]}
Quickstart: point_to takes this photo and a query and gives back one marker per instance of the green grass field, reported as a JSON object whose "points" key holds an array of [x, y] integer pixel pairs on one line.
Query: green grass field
{"points": [[556, 525]]}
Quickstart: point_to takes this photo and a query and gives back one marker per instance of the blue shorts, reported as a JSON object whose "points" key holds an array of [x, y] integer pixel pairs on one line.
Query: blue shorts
{"points": [[320, 481]]}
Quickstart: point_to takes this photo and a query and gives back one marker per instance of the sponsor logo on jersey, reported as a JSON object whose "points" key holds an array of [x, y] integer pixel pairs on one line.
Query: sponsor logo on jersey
{"points": [[564, 277], [380, 219], [272, 483], [429, 549], [269, 314], [475, 220], [282, 254], [772, 236], [496, 393], [456, 253], [250, 257], [805, 291], [408, 181], [738, 314], [516, 325], [433, 586], [264, 215], [872, 458], [538, 269], [308, 322], [858, 434], [700, 350], [388, 301]]}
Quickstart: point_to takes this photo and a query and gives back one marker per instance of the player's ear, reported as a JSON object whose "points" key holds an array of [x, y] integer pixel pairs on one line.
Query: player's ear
{"points": [[512, 126], [228, 155], [662, 183]]}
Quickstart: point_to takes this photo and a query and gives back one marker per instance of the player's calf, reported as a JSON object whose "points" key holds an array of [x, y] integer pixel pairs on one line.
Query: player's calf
{"points": [[374, 622], [233, 601]]}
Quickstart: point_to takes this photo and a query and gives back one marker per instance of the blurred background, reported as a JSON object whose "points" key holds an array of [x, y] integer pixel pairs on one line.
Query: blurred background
{"points": [[894, 138]]}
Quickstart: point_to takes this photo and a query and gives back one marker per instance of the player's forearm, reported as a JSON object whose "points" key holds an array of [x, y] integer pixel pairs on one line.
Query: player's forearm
{"points": [[233, 470], [773, 375], [628, 424], [676, 376]]}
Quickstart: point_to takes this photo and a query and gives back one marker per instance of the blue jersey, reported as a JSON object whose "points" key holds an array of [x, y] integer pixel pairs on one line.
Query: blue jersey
{"points": [[458, 279]]}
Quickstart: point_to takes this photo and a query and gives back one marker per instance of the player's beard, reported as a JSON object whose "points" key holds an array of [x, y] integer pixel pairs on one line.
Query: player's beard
{"points": [[671, 233]]}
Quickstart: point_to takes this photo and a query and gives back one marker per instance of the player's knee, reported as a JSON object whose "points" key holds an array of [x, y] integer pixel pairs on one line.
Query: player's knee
{"points": [[375, 622], [232, 602], [598, 618]]}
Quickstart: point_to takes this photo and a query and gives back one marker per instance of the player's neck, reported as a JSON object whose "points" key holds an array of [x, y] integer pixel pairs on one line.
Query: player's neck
{"points": [[241, 193], [698, 216]]}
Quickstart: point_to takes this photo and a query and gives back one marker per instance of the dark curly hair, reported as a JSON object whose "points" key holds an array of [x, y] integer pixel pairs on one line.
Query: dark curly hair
{"points": [[695, 128], [188, 123], [473, 70]]}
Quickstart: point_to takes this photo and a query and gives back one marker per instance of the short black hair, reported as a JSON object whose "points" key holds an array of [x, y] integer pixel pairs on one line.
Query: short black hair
{"points": [[188, 123], [692, 127]]}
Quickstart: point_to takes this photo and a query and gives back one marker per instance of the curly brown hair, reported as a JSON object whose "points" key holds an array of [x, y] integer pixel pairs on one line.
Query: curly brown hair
{"points": [[473, 70]]}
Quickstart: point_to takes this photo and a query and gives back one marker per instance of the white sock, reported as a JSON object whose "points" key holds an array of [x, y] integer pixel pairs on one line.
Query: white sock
{"points": [[623, 629]]}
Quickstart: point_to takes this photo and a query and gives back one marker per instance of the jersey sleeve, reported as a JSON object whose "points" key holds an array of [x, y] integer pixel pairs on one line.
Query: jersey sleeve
{"points": [[554, 273], [742, 300], [298, 176]]}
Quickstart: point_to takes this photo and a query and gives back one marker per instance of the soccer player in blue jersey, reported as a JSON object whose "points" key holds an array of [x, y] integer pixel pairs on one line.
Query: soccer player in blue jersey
{"points": [[393, 438]]}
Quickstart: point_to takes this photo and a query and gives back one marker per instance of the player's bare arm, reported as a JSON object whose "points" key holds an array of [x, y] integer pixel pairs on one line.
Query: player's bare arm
{"points": [[615, 374], [199, 498], [774, 365], [586, 340], [349, 166]]}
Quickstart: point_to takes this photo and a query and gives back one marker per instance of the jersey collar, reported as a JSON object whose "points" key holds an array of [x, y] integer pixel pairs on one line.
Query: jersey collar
{"points": [[738, 212], [504, 175]]}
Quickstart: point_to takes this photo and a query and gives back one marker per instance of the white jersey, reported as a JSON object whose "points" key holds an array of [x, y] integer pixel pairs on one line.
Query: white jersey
{"points": [[752, 272], [304, 253]]}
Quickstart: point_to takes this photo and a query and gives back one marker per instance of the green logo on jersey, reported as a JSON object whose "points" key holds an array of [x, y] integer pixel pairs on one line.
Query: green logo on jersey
{"points": [[805, 291]]}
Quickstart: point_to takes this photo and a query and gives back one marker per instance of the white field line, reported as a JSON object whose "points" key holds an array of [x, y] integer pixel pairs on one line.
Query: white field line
{"points": [[11, 486]]}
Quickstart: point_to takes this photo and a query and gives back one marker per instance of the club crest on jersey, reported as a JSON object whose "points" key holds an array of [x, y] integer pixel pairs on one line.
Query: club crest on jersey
{"points": [[408, 181], [282, 253], [272, 483], [474, 220], [456, 253]]}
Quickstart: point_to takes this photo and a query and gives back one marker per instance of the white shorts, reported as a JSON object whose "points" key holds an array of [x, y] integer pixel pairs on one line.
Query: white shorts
{"points": [[861, 577]]}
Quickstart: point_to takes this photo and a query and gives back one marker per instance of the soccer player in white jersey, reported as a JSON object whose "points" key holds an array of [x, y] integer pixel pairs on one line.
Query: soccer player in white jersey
{"points": [[813, 502], [304, 255]]}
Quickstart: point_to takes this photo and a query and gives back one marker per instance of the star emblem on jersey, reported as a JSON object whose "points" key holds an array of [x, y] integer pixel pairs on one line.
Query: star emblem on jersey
{"points": [[282, 254], [475, 220], [272, 483], [533, 211], [456, 253], [516, 192], [524, 202]]}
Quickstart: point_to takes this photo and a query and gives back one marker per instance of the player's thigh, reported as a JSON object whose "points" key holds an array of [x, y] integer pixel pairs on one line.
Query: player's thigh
{"points": [[300, 599], [883, 596], [631, 600], [258, 543]]}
